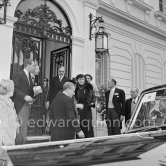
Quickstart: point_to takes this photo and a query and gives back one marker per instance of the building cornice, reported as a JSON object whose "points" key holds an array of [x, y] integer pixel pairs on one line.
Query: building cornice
{"points": [[94, 4], [129, 19], [141, 5], [9, 20], [78, 41], [133, 36]]}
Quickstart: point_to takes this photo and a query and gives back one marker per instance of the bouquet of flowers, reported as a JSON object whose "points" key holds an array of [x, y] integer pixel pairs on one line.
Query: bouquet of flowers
{"points": [[101, 103]]}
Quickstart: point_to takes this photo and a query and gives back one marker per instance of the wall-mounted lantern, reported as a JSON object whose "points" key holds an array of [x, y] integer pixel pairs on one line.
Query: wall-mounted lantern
{"points": [[101, 36], [101, 40]]}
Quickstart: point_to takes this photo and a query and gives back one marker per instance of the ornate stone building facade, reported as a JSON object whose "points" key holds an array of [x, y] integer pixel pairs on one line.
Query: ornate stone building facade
{"points": [[56, 32], [136, 42]]}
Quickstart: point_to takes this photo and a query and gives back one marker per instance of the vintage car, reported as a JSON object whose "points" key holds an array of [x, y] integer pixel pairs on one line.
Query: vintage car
{"points": [[145, 131]]}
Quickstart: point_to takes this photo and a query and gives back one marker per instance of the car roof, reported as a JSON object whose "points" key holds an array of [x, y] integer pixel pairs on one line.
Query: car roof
{"points": [[153, 88]]}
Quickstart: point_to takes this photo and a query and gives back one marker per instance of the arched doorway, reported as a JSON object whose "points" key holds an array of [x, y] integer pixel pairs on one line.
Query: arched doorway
{"points": [[42, 33]]}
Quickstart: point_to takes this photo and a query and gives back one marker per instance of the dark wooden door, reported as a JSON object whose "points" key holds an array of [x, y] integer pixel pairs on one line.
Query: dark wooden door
{"points": [[33, 29], [60, 57], [24, 47]]}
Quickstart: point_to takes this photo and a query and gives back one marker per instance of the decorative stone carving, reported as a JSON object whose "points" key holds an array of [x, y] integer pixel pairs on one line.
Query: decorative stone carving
{"points": [[160, 16], [139, 4], [43, 18], [128, 6], [147, 15], [94, 4], [158, 21], [142, 5], [112, 2]]}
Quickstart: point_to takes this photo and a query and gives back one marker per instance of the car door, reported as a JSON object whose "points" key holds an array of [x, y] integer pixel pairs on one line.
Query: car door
{"points": [[108, 149]]}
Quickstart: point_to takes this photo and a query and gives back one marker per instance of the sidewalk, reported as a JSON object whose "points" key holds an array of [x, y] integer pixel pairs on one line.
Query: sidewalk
{"points": [[99, 126]]}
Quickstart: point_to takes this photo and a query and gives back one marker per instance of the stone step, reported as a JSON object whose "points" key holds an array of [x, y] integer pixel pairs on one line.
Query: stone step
{"points": [[37, 139]]}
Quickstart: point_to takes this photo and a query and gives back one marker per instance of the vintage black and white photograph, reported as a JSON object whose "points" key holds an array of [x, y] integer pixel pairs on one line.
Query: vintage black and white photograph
{"points": [[82, 82]]}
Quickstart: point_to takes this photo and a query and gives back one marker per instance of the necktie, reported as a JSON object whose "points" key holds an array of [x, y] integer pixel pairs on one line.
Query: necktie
{"points": [[110, 102], [134, 101], [60, 78], [33, 79], [111, 94], [28, 76], [133, 104]]}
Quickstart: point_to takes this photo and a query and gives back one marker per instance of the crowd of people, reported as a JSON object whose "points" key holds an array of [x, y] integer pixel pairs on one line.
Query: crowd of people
{"points": [[68, 103]]}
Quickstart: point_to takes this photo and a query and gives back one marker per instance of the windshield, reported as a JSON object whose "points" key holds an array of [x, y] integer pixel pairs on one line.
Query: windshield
{"points": [[150, 111]]}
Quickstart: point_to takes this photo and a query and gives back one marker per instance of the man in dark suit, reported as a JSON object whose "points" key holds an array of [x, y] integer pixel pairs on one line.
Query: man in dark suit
{"points": [[34, 75], [64, 124], [56, 85], [131, 103], [23, 97], [115, 107]]}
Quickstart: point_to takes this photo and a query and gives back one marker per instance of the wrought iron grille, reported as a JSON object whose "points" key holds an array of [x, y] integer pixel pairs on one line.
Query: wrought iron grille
{"points": [[43, 23]]}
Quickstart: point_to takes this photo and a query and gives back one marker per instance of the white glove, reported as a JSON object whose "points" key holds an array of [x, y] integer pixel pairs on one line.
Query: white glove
{"points": [[81, 134], [80, 106]]}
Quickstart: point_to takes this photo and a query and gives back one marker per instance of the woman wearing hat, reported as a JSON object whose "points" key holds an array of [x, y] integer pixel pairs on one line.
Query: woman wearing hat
{"points": [[8, 117]]}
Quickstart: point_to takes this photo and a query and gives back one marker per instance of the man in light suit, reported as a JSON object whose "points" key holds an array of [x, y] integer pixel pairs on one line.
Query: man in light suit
{"points": [[23, 97], [56, 85], [131, 103], [115, 107]]}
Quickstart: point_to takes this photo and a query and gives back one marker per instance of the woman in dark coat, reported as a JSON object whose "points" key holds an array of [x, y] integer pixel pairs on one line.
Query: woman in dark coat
{"points": [[84, 94]]}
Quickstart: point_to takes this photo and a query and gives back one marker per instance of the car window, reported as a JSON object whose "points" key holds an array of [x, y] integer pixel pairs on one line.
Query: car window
{"points": [[151, 111]]}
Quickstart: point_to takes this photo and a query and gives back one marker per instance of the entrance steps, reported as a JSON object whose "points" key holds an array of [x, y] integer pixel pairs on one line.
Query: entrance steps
{"points": [[38, 139]]}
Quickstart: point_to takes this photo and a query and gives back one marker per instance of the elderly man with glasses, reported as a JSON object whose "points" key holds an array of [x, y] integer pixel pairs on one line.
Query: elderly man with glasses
{"points": [[56, 85]]}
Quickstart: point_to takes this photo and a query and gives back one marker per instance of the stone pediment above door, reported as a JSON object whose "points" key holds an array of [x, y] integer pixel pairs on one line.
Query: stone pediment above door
{"points": [[42, 22]]}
